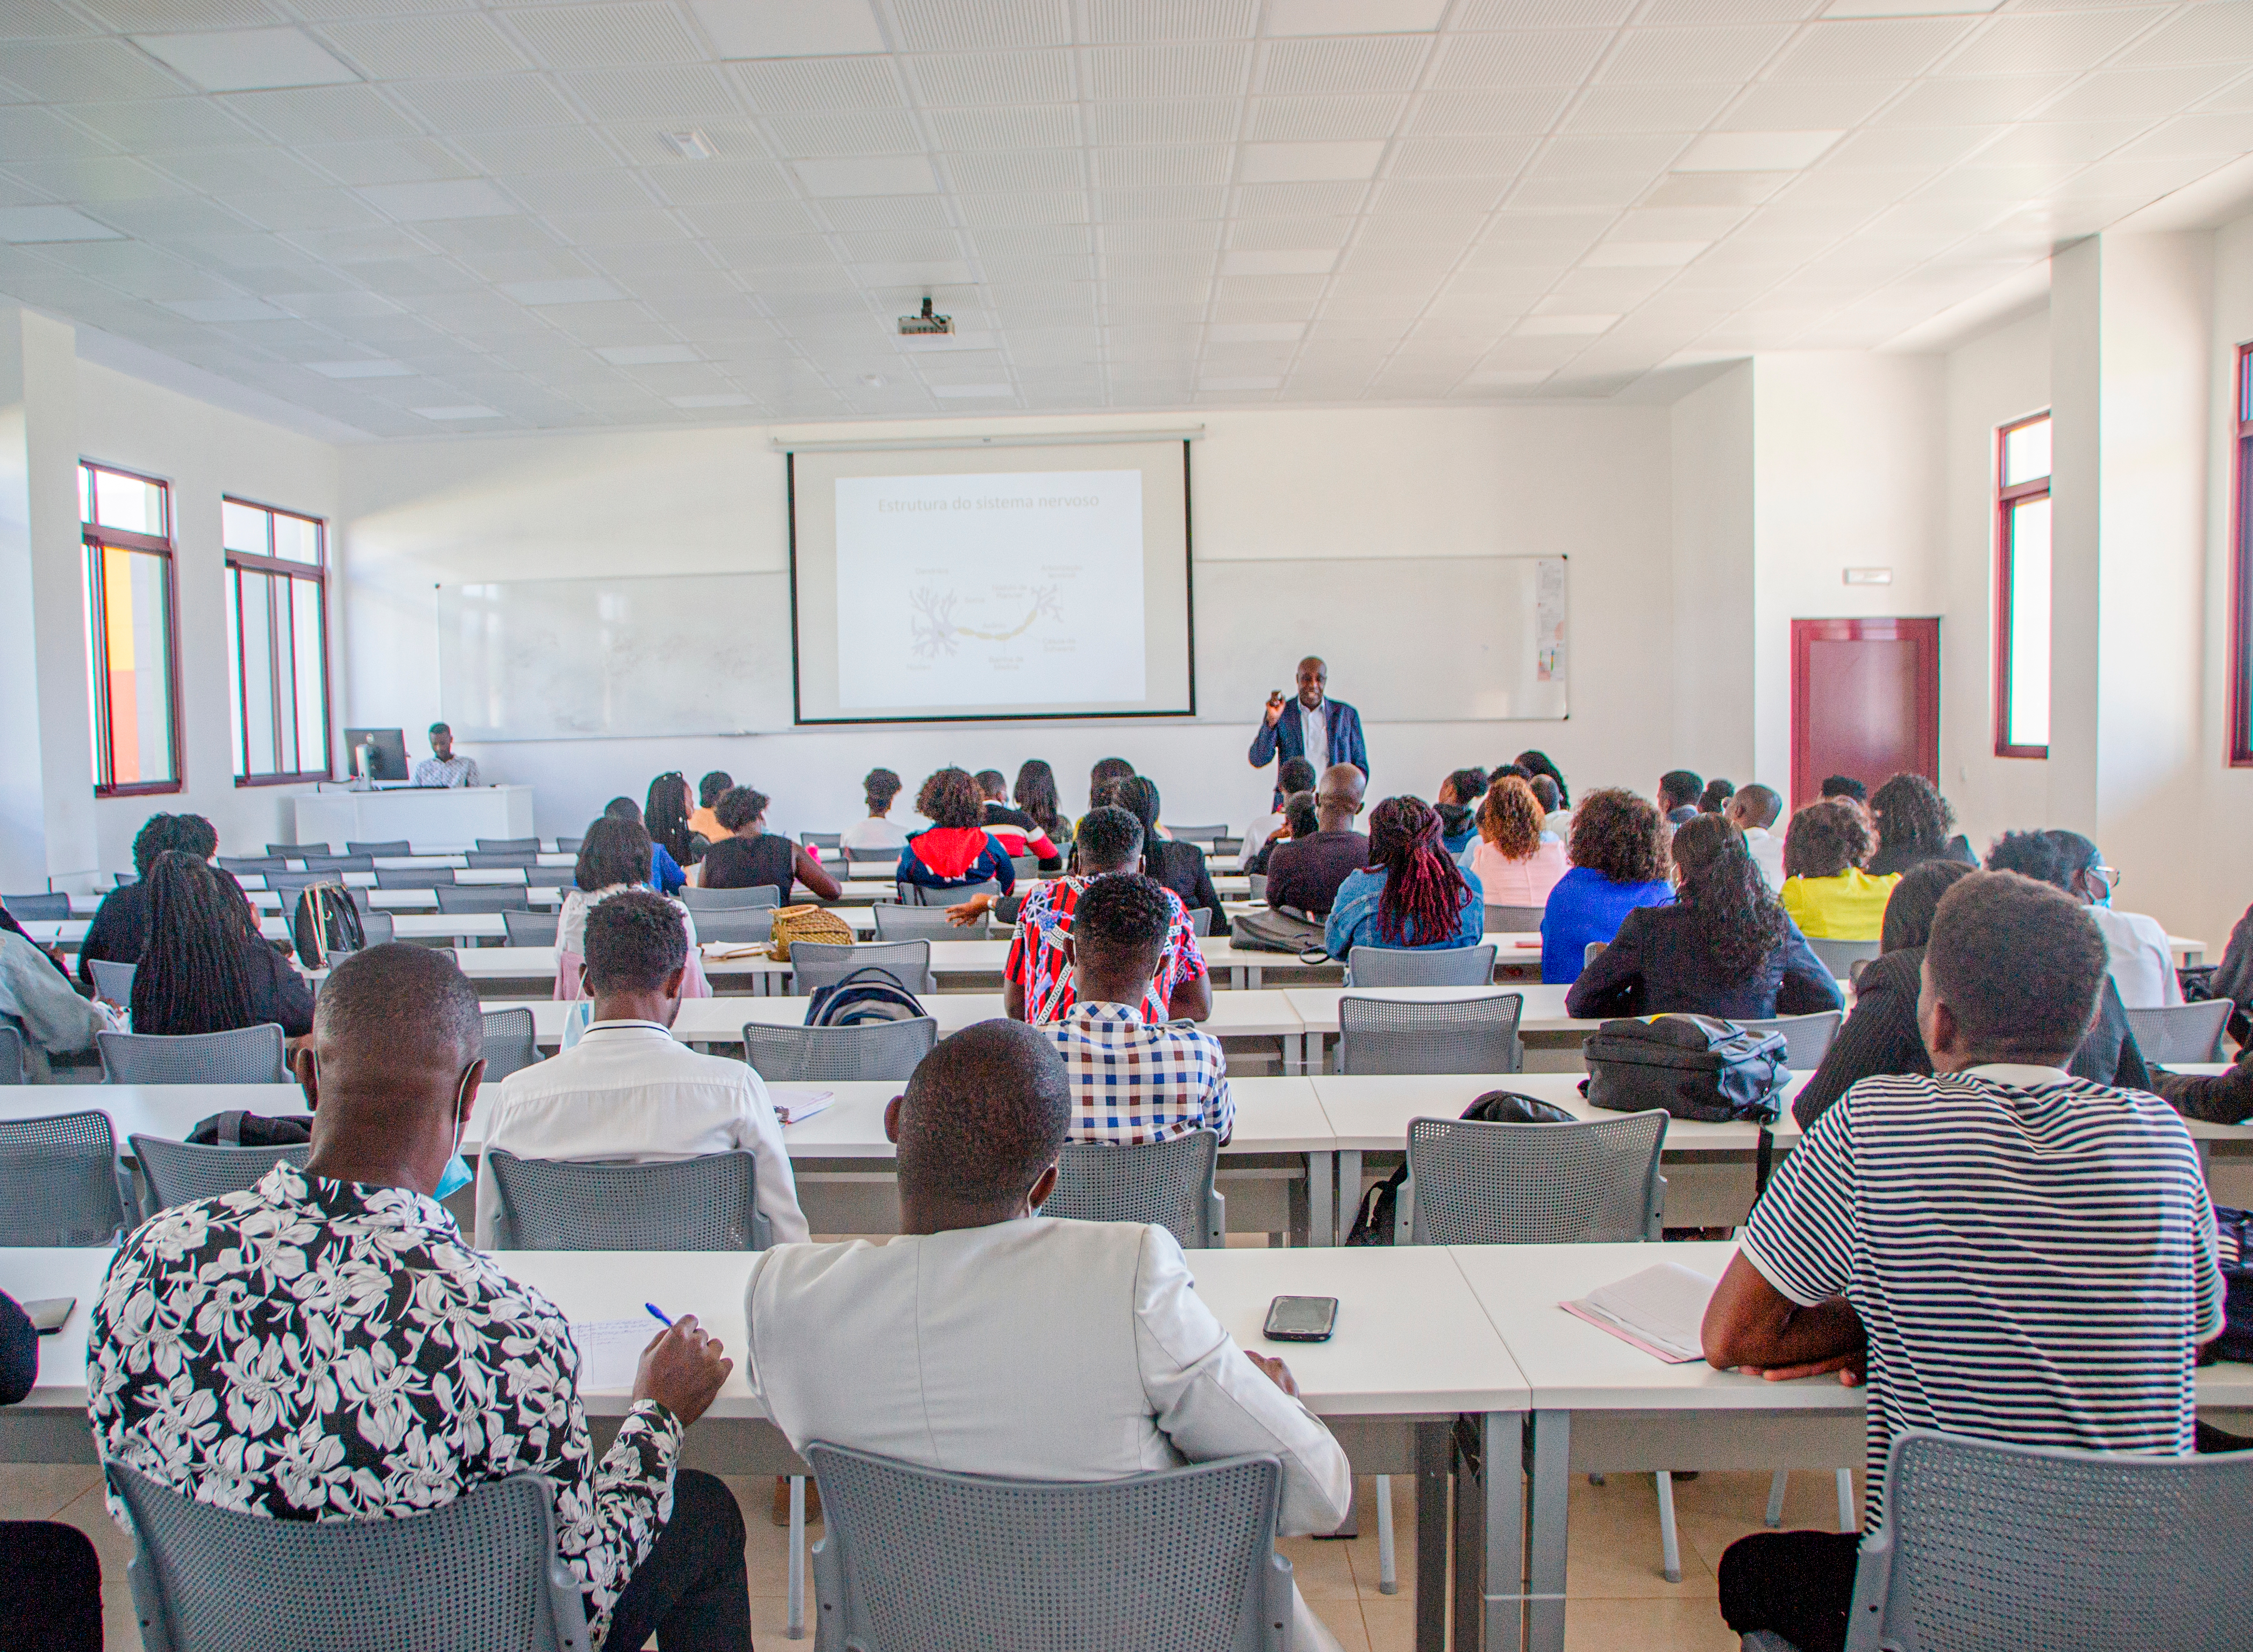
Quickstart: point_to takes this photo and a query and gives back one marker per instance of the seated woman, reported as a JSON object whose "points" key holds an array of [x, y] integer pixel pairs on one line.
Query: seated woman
{"points": [[665, 873], [613, 856], [1019, 834], [39, 1001], [1824, 889], [1299, 820], [713, 787], [1180, 866], [1726, 947], [1412, 894], [1517, 861], [1880, 1035], [750, 855], [207, 969], [879, 831], [956, 850], [1914, 822], [1036, 795], [119, 933], [665, 817], [1458, 805], [1619, 863]]}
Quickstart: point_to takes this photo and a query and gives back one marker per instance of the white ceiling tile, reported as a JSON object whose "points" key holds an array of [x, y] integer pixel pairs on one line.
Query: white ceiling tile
{"points": [[247, 59], [885, 212], [1486, 159], [644, 355], [1043, 126], [21, 225], [720, 180], [1673, 57], [1971, 101], [1545, 14], [323, 114], [405, 163], [1372, 63], [1435, 195], [1033, 169], [605, 192], [1179, 163], [37, 20], [1165, 71], [788, 28], [980, 26], [872, 132], [1316, 118], [2028, 44], [1515, 109], [1053, 207], [97, 177], [1907, 146], [485, 103], [1308, 162], [1755, 152], [1887, 48], [462, 198], [2219, 33], [1278, 261], [2146, 94], [687, 95], [2051, 142], [167, 126], [1800, 105], [1609, 109], [1003, 78], [83, 71], [402, 48], [1562, 57], [588, 290], [1620, 254], [603, 36], [820, 86], [2218, 136], [872, 175], [1297, 233], [217, 310], [535, 148]]}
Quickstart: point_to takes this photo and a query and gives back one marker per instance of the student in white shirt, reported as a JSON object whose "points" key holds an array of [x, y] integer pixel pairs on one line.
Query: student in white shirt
{"points": [[879, 831], [1042, 1350], [626, 1090], [1753, 810], [2142, 963]]}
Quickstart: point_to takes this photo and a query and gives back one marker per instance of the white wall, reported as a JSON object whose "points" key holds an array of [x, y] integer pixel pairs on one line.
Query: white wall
{"points": [[1592, 484], [1711, 432], [2213, 834]]}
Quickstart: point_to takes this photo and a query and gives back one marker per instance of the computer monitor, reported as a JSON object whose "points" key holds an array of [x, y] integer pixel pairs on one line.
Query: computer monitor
{"points": [[385, 753]]}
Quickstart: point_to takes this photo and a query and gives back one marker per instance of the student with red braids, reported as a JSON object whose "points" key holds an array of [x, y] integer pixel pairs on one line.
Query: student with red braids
{"points": [[1412, 894]]}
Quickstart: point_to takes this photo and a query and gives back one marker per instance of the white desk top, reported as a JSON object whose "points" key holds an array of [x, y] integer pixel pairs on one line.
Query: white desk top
{"points": [[1273, 1115], [1543, 1012], [1372, 1113]]}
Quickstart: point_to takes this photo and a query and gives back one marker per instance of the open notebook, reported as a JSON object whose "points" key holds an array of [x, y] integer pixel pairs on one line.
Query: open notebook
{"points": [[1658, 1310], [794, 1103]]}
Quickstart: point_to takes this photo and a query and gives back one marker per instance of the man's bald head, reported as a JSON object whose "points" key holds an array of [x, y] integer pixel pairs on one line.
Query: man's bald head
{"points": [[396, 1007], [983, 1118], [1337, 798]]}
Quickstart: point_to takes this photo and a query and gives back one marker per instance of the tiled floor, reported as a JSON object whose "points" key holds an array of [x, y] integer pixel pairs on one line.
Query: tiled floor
{"points": [[1618, 1598]]}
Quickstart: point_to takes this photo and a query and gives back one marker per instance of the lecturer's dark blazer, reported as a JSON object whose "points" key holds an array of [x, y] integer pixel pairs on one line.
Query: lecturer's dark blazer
{"points": [[1284, 738]]}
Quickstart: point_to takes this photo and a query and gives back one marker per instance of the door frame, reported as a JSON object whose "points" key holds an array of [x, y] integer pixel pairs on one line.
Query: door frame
{"points": [[1924, 631]]}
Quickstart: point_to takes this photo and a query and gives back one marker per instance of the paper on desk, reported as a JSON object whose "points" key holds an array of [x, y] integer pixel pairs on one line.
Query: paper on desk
{"points": [[727, 951], [1658, 1310], [609, 1352], [794, 1103]]}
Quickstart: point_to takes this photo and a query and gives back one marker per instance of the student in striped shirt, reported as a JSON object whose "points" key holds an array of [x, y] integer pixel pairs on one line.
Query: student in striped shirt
{"points": [[2008, 1252]]}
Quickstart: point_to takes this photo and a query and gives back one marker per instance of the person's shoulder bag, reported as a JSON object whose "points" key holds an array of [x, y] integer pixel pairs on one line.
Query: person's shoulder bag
{"points": [[1376, 1221], [1698, 1068]]}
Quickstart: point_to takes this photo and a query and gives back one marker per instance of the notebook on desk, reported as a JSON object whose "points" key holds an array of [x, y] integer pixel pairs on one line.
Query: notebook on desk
{"points": [[795, 1104], [1658, 1310]]}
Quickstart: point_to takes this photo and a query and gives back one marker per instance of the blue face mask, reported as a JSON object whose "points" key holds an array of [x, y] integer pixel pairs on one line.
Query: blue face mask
{"points": [[456, 1174]]}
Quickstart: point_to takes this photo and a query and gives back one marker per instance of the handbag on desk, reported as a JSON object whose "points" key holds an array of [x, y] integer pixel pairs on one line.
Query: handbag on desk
{"points": [[815, 923]]}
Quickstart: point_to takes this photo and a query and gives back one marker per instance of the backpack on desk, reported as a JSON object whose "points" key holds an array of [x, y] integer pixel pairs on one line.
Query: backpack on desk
{"points": [[1281, 930], [1698, 1068], [869, 993], [237, 1128], [2234, 1230], [325, 924], [1376, 1220]]}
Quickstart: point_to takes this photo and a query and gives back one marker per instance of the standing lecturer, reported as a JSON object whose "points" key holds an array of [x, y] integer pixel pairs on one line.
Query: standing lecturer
{"points": [[1326, 732]]}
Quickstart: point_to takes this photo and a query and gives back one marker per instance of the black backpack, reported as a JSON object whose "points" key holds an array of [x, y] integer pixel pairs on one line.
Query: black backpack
{"points": [[326, 924], [1374, 1223], [2235, 1229], [1695, 1067], [240, 1129], [869, 993]]}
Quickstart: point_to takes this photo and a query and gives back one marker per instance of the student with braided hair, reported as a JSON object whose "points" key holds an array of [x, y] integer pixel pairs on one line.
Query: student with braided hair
{"points": [[207, 969], [1412, 894]]}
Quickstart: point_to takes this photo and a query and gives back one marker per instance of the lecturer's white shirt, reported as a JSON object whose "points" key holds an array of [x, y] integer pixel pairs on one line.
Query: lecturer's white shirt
{"points": [[2143, 963], [1315, 729], [628, 1090], [1040, 1350]]}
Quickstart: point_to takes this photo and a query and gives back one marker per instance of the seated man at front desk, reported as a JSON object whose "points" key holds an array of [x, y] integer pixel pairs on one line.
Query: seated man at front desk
{"points": [[442, 767]]}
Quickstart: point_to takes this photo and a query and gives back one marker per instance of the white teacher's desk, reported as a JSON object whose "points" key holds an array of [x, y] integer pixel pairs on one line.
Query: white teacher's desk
{"points": [[444, 819]]}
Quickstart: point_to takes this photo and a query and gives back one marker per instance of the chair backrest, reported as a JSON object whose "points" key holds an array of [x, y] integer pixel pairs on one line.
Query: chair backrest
{"points": [[508, 846], [1167, 1182], [1806, 1038], [60, 1183], [1179, 1561], [1256, 885], [247, 1055], [479, 1571], [181, 1172], [112, 981], [1514, 920], [1982, 1540], [530, 929], [816, 964], [12, 1068], [886, 1051], [287, 886], [822, 839], [340, 863], [1414, 1035], [920, 894], [375, 927], [1026, 865], [1840, 956], [509, 1043], [1590, 1183], [297, 851], [1588, 952], [2181, 1032], [897, 923], [1411, 967], [484, 898], [41, 908], [551, 877], [389, 847], [1220, 846], [871, 863], [1197, 834], [698, 900], [414, 877], [497, 860], [568, 845], [709, 1202], [1201, 921], [737, 925], [241, 865]]}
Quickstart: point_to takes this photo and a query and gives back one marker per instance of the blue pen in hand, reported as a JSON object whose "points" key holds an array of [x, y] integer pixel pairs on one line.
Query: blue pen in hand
{"points": [[654, 1315]]}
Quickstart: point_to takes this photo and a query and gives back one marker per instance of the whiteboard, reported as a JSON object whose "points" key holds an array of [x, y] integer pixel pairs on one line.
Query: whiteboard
{"points": [[580, 658], [1408, 640]]}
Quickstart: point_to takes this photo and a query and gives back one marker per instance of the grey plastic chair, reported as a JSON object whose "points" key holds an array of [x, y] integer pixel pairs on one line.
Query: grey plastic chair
{"points": [[1256, 884], [823, 840], [12, 1066], [568, 845], [1840, 956], [1595, 1183], [60, 1181], [897, 922], [509, 1043], [1027, 866], [698, 900], [339, 863], [709, 1202], [390, 847], [919, 1560], [508, 846], [1221, 847], [1201, 835], [1411, 967], [1417, 1035], [481, 1571], [297, 851], [873, 866], [2181, 1032], [1982, 1542], [737, 925], [1806, 1038], [1201, 921], [37, 907], [549, 877], [1514, 920], [815, 965], [375, 927], [528, 928], [245, 865], [1169, 1183], [414, 877], [502, 860], [181, 1172], [484, 898], [917, 895], [247, 1055], [112, 981], [886, 1051]]}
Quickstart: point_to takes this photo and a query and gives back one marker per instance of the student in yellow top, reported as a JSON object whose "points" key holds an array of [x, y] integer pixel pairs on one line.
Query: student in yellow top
{"points": [[1824, 889]]}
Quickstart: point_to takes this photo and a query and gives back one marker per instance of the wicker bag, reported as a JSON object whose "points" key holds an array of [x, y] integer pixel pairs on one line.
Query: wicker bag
{"points": [[815, 923]]}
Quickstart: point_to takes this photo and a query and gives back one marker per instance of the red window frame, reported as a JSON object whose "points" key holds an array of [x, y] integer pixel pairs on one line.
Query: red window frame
{"points": [[2008, 496], [2241, 583], [95, 539], [279, 671]]}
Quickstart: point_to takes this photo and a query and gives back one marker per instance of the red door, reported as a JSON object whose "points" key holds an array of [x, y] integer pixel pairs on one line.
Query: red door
{"points": [[1865, 701]]}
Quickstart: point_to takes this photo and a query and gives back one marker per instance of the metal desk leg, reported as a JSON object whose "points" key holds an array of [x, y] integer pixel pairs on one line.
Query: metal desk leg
{"points": [[1321, 1198], [1552, 1459], [1433, 1444], [1294, 1058], [1490, 1532], [1349, 1190]]}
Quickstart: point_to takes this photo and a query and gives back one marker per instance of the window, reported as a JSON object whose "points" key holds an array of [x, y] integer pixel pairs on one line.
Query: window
{"points": [[2240, 603], [2022, 589], [277, 636], [131, 681]]}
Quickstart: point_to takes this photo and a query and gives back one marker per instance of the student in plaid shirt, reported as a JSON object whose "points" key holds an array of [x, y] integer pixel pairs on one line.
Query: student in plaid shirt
{"points": [[1037, 982], [1133, 1080]]}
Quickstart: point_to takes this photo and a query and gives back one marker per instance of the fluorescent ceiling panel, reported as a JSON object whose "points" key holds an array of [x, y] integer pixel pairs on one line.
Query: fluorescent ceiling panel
{"points": [[447, 197], [447, 415], [1278, 261], [1352, 17], [646, 355], [373, 369], [247, 59], [868, 174], [24, 225], [588, 290], [1309, 163], [1755, 152]]}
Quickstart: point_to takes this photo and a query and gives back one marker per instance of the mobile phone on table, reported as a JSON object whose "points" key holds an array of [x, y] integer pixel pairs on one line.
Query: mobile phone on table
{"points": [[1302, 1319], [49, 1314]]}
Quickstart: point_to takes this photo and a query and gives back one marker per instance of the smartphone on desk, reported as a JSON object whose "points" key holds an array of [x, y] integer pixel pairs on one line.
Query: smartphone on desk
{"points": [[1302, 1319], [49, 1314]]}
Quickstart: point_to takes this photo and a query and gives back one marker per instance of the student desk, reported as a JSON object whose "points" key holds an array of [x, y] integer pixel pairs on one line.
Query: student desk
{"points": [[1552, 1039], [67, 932]]}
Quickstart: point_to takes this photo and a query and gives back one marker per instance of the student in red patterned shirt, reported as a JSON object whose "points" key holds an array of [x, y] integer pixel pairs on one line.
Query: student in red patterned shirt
{"points": [[1037, 983]]}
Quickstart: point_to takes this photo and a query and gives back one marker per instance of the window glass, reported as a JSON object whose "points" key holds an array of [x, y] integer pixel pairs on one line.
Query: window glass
{"points": [[281, 672], [134, 635], [128, 503], [2027, 719], [296, 539], [243, 527], [2026, 452]]}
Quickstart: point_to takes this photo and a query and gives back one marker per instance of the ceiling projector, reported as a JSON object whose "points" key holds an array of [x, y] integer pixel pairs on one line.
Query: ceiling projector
{"points": [[926, 324]]}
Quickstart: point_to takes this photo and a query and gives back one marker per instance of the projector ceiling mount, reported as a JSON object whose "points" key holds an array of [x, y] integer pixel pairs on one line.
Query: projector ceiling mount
{"points": [[926, 323]]}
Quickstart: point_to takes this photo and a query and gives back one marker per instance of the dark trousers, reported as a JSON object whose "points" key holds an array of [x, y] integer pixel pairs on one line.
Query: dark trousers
{"points": [[1799, 1584], [691, 1588], [49, 1588]]}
